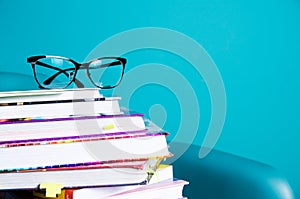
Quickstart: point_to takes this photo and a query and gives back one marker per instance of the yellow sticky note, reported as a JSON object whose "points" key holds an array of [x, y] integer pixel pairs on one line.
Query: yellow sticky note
{"points": [[108, 127], [52, 189]]}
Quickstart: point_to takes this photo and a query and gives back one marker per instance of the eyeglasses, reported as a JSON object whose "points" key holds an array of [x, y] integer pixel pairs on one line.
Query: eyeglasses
{"points": [[59, 72]]}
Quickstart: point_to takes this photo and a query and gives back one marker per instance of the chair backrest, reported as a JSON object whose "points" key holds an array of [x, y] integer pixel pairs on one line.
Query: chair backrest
{"points": [[222, 175]]}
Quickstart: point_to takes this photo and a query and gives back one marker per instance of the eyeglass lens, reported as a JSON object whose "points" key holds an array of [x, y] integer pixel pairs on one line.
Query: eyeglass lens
{"points": [[106, 72], [54, 72]]}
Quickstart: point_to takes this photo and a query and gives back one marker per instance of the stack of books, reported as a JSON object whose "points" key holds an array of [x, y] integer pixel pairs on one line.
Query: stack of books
{"points": [[76, 143]]}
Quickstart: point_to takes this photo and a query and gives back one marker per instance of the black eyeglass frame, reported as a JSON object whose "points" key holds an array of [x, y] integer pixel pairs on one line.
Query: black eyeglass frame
{"points": [[34, 59]]}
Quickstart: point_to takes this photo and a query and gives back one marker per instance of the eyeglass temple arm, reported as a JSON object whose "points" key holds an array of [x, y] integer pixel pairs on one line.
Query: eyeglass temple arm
{"points": [[51, 78]]}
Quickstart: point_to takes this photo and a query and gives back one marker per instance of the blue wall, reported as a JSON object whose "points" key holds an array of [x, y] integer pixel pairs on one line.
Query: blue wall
{"points": [[255, 45]]}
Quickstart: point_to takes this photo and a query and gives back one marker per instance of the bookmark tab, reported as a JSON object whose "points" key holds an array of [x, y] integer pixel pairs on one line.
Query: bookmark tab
{"points": [[52, 189]]}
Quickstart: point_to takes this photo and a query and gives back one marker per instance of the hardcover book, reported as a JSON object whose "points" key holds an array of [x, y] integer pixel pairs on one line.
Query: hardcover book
{"points": [[128, 173], [18, 129], [163, 173], [39, 153]]}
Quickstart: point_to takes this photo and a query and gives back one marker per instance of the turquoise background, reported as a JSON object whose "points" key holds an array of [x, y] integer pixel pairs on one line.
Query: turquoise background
{"points": [[255, 45]]}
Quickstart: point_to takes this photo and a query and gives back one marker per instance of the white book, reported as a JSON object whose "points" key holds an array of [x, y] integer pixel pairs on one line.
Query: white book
{"points": [[104, 106], [77, 150], [49, 95], [162, 173], [75, 178], [70, 126], [56, 102]]}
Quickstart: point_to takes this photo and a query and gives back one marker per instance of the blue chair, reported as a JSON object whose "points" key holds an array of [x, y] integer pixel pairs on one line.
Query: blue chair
{"points": [[219, 175], [222, 175]]}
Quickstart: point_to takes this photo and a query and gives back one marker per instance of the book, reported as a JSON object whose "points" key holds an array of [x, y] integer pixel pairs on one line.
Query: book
{"points": [[162, 173], [80, 176], [69, 126], [97, 106], [49, 95], [78, 139], [56, 102], [61, 152]]}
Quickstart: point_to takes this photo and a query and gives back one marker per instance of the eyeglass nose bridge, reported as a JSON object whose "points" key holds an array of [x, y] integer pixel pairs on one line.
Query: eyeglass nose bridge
{"points": [[71, 75], [79, 67]]}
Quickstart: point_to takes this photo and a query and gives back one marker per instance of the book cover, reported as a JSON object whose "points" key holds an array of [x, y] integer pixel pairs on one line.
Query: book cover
{"points": [[165, 189]]}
